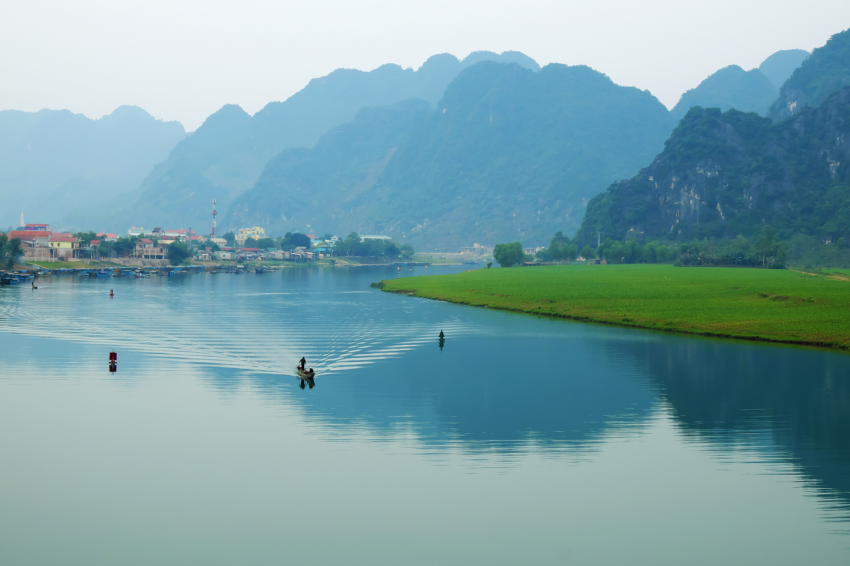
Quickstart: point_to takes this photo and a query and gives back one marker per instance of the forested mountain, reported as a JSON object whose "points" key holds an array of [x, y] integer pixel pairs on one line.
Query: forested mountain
{"points": [[231, 147], [53, 161], [825, 71], [729, 174], [730, 87], [779, 66], [508, 153]]}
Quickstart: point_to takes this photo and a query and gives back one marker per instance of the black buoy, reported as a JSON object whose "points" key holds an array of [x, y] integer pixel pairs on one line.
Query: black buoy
{"points": [[442, 340], [111, 293], [442, 335]]}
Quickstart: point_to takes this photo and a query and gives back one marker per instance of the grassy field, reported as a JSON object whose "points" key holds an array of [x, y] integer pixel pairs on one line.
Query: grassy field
{"points": [[756, 304]]}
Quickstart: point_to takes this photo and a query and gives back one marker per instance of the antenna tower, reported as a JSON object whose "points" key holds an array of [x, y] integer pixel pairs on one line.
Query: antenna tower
{"points": [[215, 213]]}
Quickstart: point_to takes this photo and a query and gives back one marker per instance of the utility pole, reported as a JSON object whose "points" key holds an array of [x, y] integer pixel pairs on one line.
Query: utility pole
{"points": [[598, 239]]}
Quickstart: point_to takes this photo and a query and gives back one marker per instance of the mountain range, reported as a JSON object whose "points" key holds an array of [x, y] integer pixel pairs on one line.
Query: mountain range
{"points": [[485, 149], [55, 161], [231, 147], [725, 174], [827, 70], [507, 153], [729, 174]]}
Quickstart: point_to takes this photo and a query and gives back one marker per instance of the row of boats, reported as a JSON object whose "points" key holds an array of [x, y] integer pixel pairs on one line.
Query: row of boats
{"points": [[15, 277]]}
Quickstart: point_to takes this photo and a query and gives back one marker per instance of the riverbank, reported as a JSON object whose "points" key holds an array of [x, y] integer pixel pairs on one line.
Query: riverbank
{"points": [[752, 304]]}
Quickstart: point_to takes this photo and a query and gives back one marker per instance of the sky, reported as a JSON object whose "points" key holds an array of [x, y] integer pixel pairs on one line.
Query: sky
{"points": [[184, 59]]}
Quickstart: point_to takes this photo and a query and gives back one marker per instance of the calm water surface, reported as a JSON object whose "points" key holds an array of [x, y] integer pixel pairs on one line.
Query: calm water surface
{"points": [[523, 441]]}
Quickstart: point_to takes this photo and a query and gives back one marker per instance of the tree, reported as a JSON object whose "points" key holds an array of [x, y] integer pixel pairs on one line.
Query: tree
{"points": [[231, 238], [86, 238], [264, 243], [178, 252], [407, 251], [392, 250], [509, 255], [559, 246], [544, 255], [296, 240], [105, 249], [10, 250], [250, 243], [213, 247], [768, 246], [588, 253]]}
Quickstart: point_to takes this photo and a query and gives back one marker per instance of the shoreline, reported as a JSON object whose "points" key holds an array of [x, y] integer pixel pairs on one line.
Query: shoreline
{"points": [[708, 334], [613, 297]]}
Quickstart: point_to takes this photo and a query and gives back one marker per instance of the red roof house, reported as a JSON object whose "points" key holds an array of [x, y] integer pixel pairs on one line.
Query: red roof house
{"points": [[28, 235]]}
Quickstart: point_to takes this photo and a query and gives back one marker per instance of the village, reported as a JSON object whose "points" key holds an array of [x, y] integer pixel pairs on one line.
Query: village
{"points": [[41, 243], [141, 247]]}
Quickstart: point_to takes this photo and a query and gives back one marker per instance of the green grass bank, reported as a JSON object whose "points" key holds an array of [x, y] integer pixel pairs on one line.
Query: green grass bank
{"points": [[754, 304]]}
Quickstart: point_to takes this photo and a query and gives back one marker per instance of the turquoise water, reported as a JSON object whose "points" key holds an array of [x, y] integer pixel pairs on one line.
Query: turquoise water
{"points": [[522, 440]]}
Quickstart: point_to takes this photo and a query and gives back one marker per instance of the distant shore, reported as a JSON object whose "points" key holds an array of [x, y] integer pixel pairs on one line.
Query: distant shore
{"points": [[780, 306]]}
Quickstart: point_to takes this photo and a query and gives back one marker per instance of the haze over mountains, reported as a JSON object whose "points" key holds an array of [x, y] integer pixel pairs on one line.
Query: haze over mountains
{"points": [[507, 153], [231, 148], [730, 174], [488, 149], [52, 162]]}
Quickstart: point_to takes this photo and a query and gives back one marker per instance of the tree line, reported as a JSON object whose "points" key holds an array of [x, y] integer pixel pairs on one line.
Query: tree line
{"points": [[766, 250]]}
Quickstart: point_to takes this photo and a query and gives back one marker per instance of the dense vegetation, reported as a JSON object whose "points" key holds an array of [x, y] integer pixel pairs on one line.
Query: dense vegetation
{"points": [[824, 72], [722, 175], [508, 154], [778, 305], [353, 246], [730, 87]]}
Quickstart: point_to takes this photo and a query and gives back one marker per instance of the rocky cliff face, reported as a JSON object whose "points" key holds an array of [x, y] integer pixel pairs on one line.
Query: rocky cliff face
{"points": [[727, 174], [824, 72]]}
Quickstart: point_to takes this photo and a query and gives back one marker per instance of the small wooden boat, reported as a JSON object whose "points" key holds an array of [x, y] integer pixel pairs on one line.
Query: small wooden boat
{"points": [[304, 374]]}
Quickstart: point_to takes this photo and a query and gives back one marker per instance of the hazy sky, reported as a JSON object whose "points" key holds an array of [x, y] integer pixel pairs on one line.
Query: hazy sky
{"points": [[184, 59]]}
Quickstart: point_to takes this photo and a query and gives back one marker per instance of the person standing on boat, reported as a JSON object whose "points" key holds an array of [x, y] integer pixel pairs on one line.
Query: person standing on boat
{"points": [[303, 364]]}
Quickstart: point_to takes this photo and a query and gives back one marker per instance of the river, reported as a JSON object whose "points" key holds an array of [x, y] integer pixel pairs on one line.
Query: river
{"points": [[521, 440]]}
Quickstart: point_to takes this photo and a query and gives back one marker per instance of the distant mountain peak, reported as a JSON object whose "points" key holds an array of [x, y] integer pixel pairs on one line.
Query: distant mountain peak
{"points": [[825, 71], [730, 87], [782, 64]]}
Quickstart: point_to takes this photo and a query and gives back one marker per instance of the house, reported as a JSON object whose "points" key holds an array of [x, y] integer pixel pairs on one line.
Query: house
{"points": [[107, 237], [38, 227], [244, 233], [63, 246], [133, 231], [179, 234], [31, 237], [220, 242], [364, 238], [146, 249], [202, 256], [224, 255]]}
